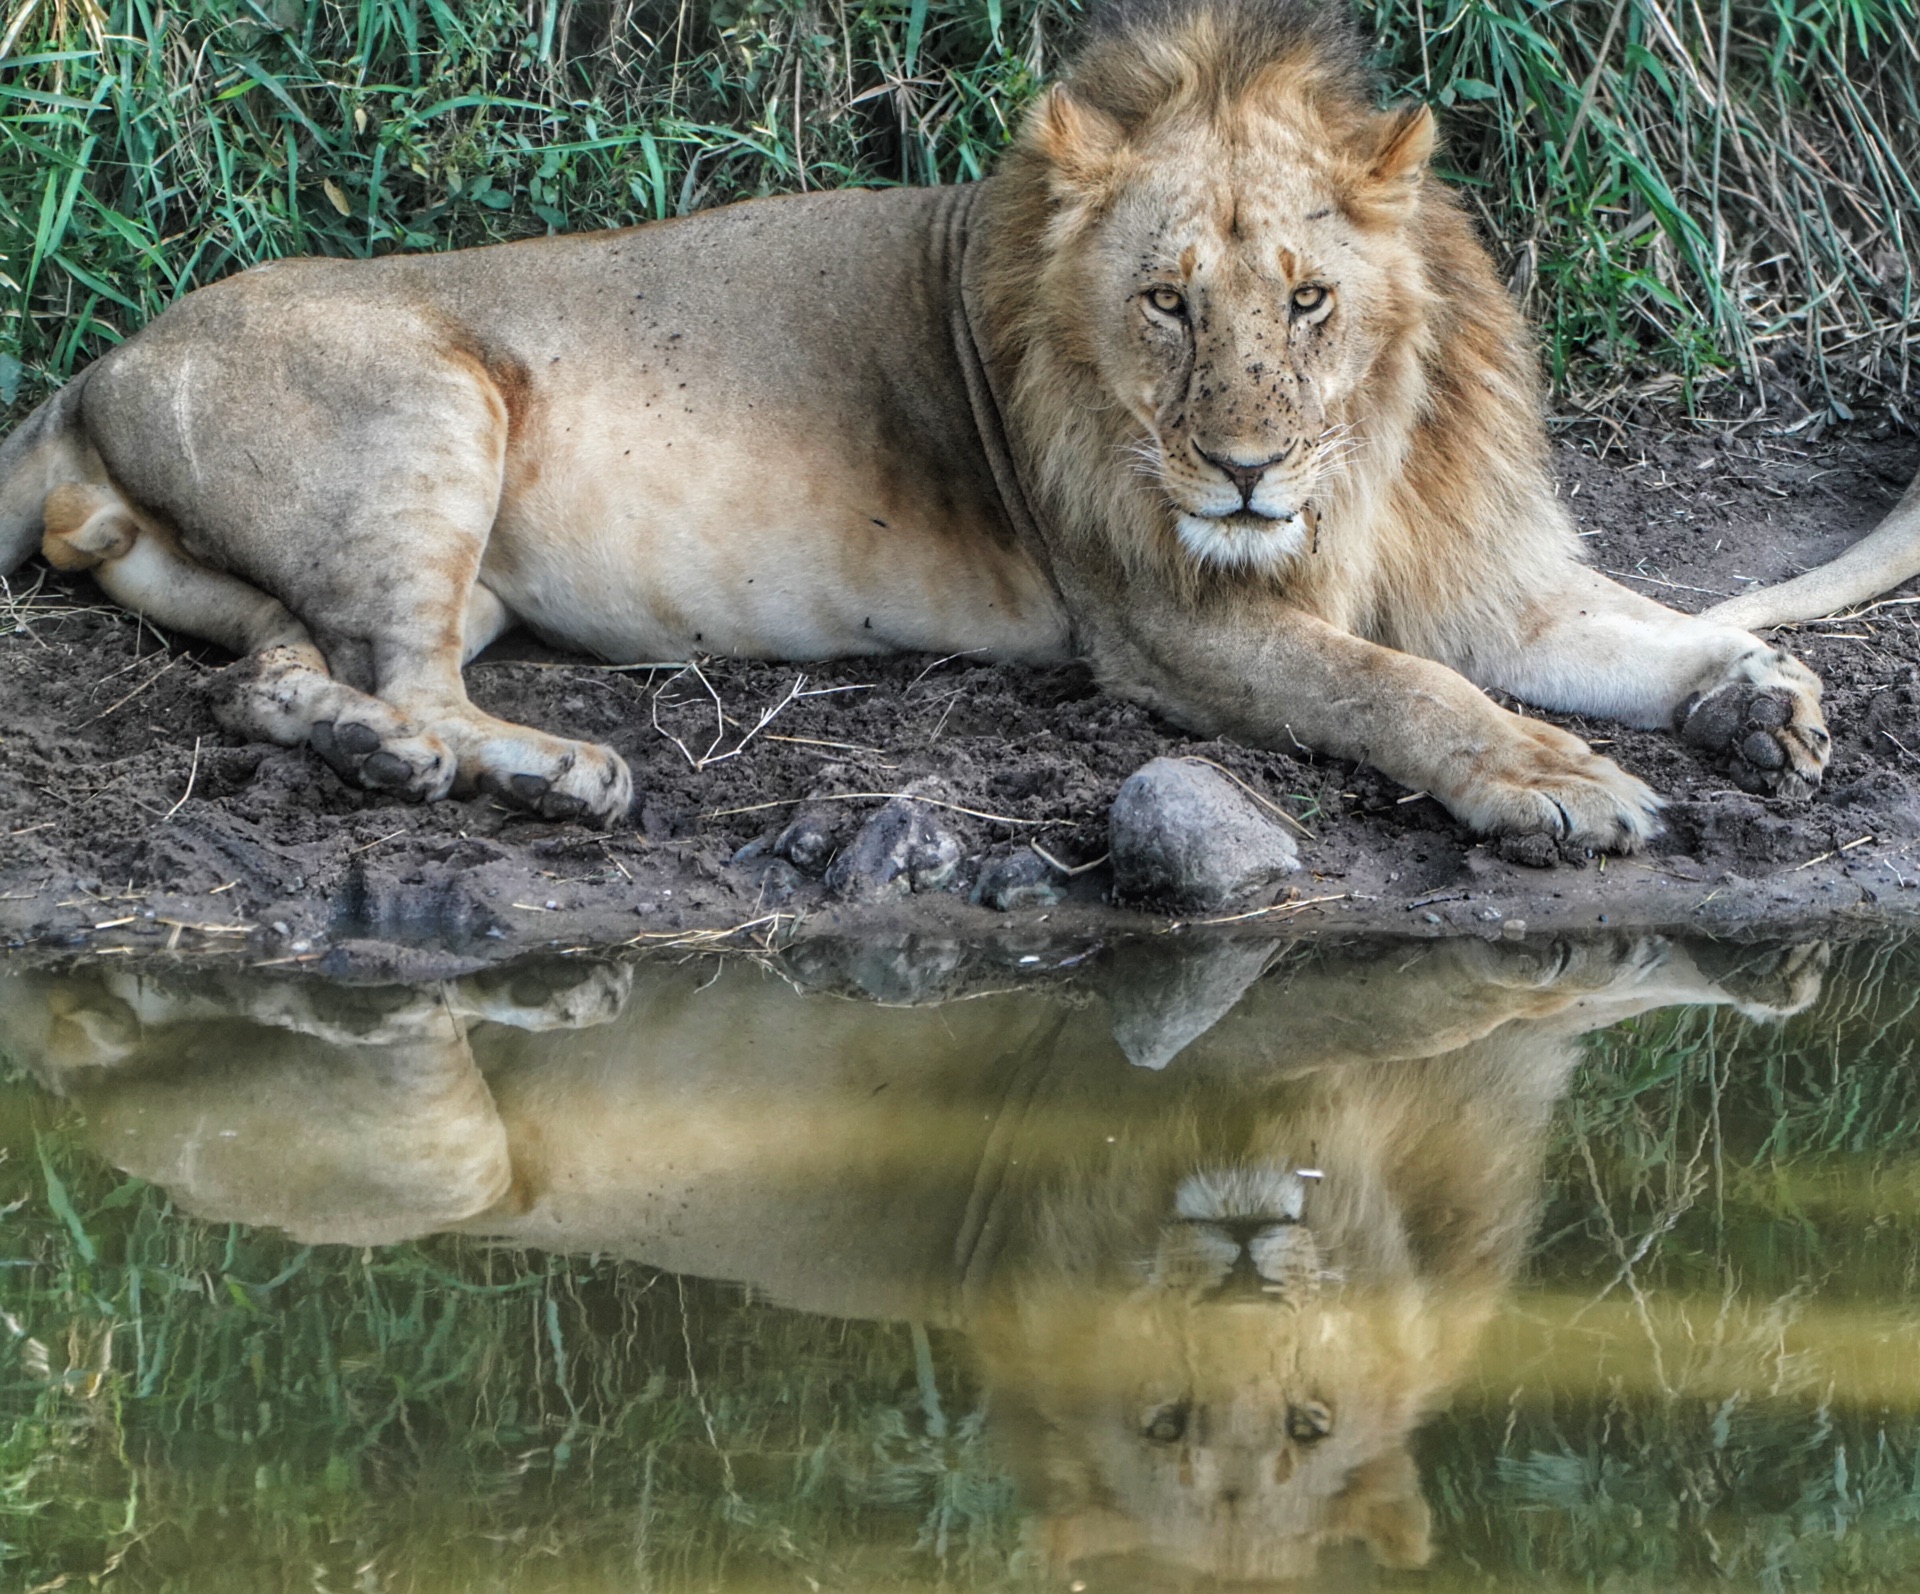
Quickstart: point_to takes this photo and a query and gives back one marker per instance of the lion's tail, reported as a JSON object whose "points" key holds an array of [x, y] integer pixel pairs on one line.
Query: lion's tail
{"points": [[47, 449], [1879, 561]]}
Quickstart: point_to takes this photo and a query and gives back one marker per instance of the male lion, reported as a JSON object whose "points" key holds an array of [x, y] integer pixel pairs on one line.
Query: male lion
{"points": [[1210, 385]]}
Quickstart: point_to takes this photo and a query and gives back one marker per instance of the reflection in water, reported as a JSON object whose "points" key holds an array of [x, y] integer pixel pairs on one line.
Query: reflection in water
{"points": [[1221, 1235]]}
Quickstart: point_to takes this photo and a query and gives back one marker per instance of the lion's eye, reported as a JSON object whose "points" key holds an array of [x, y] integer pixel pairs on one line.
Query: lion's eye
{"points": [[1166, 1425], [1309, 1421], [1308, 298], [1169, 302]]}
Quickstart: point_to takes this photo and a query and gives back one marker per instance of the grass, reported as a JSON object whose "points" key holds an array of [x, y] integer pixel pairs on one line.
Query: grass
{"points": [[1688, 195], [203, 1408]]}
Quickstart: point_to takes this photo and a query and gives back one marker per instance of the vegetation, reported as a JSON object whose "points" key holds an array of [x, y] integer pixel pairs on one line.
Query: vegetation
{"points": [[1705, 1380], [1688, 195]]}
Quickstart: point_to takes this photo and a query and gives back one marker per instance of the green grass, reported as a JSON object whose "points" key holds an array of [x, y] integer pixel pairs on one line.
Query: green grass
{"points": [[1684, 192]]}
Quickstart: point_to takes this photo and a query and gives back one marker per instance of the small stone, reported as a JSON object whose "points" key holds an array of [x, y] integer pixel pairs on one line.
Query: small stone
{"points": [[1514, 930], [774, 882], [754, 850], [1431, 918], [903, 848], [1022, 880], [279, 928], [809, 841], [1185, 837]]}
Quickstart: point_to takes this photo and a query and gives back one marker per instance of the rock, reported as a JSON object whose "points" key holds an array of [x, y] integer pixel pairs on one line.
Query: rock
{"points": [[1185, 837], [905, 847], [1160, 1005], [1022, 880], [809, 841], [773, 883]]}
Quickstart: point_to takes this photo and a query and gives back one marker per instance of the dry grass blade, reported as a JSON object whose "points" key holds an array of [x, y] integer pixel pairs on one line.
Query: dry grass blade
{"points": [[1264, 801]]}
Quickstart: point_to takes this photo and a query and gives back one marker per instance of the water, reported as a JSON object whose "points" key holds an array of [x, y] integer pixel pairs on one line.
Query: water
{"points": [[1542, 1267]]}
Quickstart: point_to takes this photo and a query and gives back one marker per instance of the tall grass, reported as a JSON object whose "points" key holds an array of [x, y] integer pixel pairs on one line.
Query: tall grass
{"points": [[1684, 192]]}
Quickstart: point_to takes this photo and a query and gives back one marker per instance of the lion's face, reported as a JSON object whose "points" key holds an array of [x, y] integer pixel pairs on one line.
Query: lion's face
{"points": [[1242, 1404], [1220, 1329], [1239, 287]]}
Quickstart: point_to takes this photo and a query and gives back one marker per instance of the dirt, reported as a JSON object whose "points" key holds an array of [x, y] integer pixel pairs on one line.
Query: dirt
{"points": [[129, 818]]}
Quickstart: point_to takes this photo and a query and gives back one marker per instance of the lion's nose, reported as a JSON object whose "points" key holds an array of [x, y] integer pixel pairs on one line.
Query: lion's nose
{"points": [[1244, 474]]}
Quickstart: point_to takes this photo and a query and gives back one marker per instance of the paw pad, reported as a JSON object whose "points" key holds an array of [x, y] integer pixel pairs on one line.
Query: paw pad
{"points": [[357, 753], [1753, 728]]}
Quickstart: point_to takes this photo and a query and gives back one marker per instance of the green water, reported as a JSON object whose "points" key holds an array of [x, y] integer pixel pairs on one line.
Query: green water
{"points": [[1452, 1266]]}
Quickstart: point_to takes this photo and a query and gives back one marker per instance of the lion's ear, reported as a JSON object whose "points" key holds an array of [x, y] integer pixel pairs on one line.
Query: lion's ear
{"points": [[1063, 1539], [1383, 1507], [1079, 140], [1391, 174]]}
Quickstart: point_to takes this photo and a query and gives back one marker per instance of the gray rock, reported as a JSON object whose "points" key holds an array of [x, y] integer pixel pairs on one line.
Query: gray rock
{"points": [[809, 841], [1022, 880], [1159, 1005], [905, 847], [1186, 838], [774, 882]]}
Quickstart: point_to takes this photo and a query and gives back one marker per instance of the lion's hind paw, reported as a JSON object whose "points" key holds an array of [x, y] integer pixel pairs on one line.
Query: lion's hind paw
{"points": [[392, 757], [550, 776]]}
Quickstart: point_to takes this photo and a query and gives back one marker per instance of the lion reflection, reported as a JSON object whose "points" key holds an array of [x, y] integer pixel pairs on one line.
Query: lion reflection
{"points": [[1211, 1302]]}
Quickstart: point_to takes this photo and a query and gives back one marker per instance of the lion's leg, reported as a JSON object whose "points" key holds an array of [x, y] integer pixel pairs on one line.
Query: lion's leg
{"points": [[553, 776], [281, 690], [1283, 678], [1593, 647]]}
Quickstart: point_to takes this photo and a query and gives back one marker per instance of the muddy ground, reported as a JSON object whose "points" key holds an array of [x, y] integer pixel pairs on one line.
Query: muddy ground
{"points": [[128, 818]]}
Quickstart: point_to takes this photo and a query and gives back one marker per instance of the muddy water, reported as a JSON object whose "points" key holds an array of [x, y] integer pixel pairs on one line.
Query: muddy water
{"points": [[1463, 1265]]}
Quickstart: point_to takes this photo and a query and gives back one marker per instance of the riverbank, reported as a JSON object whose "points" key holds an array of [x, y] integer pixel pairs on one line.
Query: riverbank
{"points": [[129, 818]]}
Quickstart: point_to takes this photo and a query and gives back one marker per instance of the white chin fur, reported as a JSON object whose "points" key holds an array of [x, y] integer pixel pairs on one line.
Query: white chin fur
{"points": [[1241, 543], [1271, 1191]]}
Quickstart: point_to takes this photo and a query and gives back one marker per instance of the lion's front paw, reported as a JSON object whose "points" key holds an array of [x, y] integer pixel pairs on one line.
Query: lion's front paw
{"points": [[1766, 724], [1547, 782]]}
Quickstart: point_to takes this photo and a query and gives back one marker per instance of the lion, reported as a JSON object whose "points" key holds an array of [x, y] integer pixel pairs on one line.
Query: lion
{"points": [[1211, 1302], [1210, 384]]}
